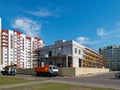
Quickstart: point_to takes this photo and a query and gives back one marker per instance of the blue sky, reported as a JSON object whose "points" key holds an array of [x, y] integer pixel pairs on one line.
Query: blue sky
{"points": [[94, 23]]}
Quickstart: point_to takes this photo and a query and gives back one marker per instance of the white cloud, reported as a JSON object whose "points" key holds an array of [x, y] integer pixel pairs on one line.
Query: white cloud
{"points": [[82, 39], [101, 32], [49, 11], [40, 13], [30, 27], [108, 37], [107, 34], [44, 12], [85, 40], [118, 23]]}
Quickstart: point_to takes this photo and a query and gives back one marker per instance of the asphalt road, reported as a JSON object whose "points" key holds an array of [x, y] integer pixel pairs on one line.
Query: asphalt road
{"points": [[106, 80]]}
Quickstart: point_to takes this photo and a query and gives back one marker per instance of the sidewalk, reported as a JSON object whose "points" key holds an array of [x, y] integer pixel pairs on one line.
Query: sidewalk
{"points": [[23, 84]]}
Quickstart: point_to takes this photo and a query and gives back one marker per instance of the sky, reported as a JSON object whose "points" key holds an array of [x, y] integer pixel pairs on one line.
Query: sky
{"points": [[93, 23]]}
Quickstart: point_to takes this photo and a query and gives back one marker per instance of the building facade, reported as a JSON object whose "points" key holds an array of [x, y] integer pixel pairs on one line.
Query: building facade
{"points": [[17, 48], [71, 54], [0, 39], [112, 54]]}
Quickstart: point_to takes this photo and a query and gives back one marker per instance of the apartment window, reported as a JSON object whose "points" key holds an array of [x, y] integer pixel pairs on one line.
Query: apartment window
{"points": [[6, 54], [75, 50], [79, 51], [6, 57]]}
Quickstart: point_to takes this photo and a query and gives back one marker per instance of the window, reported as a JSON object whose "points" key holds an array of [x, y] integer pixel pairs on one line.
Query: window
{"points": [[58, 54], [6, 57], [50, 53], [50, 68], [79, 51], [80, 63], [75, 50]]}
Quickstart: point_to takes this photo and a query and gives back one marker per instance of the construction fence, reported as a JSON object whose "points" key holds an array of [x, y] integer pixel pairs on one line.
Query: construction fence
{"points": [[69, 71]]}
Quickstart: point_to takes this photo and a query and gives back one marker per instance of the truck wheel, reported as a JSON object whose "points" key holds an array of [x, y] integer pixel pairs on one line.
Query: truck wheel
{"points": [[119, 77], [38, 74], [55, 73], [49, 74], [3, 73]]}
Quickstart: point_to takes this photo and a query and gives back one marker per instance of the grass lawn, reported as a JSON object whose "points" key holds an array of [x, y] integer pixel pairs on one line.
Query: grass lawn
{"points": [[5, 80], [55, 86]]}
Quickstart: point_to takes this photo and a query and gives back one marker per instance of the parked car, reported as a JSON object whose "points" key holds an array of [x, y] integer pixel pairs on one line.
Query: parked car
{"points": [[117, 75]]}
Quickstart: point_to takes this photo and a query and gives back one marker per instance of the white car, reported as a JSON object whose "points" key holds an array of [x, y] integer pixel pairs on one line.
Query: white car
{"points": [[117, 75]]}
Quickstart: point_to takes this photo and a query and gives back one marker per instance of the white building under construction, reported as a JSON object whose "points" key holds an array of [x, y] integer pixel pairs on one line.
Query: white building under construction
{"points": [[70, 54]]}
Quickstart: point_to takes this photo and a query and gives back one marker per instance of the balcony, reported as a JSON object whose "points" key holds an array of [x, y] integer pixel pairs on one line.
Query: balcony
{"points": [[4, 34], [4, 46], [6, 39]]}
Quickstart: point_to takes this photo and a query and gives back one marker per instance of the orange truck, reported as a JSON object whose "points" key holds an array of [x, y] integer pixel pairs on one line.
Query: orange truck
{"points": [[48, 70]]}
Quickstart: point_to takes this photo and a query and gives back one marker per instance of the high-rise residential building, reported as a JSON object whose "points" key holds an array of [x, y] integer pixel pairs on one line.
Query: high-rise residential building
{"points": [[0, 40], [70, 54], [17, 48], [112, 54]]}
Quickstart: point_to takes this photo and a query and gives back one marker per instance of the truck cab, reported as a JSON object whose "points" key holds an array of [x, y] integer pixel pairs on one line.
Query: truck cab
{"points": [[53, 70]]}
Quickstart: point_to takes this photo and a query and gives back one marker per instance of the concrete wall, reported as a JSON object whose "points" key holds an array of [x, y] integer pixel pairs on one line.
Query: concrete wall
{"points": [[63, 71], [26, 71], [87, 71]]}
